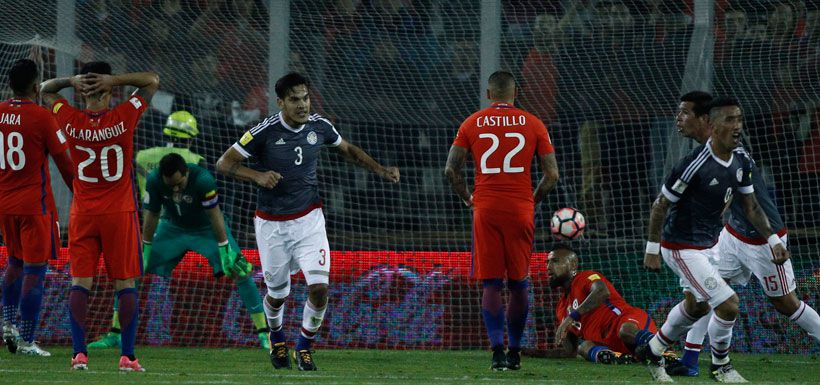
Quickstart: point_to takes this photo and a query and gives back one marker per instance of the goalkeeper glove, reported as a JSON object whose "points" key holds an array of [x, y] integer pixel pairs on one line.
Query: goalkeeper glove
{"points": [[146, 254], [242, 267], [233, 264]]}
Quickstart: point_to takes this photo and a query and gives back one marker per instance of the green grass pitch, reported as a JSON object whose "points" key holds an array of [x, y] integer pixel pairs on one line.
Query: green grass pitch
{"points": [[180, 366]]}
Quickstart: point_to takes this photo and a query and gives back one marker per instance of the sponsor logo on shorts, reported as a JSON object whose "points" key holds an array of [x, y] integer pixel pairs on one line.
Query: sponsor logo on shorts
{"points": [[268, 277], [710, 283]]}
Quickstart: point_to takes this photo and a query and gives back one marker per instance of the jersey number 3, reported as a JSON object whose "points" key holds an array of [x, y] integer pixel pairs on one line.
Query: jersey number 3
{"points": [[105, 170], [506, 167]]}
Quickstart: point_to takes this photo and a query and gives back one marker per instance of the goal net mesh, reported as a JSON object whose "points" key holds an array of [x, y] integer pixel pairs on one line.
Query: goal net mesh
{"points": [[397, 77]]}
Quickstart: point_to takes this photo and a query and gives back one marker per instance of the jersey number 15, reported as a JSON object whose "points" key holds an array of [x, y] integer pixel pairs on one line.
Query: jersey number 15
{"points": [[506, 167]]}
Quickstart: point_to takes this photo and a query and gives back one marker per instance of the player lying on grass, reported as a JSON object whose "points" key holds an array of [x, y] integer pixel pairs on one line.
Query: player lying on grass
{"points": [[596, 323]]}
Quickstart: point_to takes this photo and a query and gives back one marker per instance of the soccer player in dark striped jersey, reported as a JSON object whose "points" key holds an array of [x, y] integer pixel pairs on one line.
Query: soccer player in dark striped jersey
{"points": [[696, 193], [289, 223], [742, 250]]}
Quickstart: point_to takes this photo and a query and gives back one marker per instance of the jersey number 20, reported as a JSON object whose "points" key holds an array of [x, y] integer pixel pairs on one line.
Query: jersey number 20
{"points": [[506, 167], [105, 154]]}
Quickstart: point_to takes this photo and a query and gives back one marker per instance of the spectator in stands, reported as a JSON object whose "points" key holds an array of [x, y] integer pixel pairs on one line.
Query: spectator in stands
{"points": [[459, 95], [389, 85], [538, 75]]}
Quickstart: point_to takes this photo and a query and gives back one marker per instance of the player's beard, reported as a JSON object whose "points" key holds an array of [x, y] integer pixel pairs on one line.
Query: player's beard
{"points": [[556, 282]]}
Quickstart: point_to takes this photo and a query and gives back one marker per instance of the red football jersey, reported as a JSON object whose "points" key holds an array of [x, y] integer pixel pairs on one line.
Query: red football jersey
{"points": [[102, 149], [503, 140], [28, 133], [595, 325]]}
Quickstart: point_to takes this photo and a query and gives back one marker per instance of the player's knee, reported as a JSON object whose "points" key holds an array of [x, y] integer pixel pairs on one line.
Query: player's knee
{"points": [[84, 282], [786, 304], [318, 294], [627, 332], [514, 284], [120, 284], [729, 309], [694, 308], [274, 302]]}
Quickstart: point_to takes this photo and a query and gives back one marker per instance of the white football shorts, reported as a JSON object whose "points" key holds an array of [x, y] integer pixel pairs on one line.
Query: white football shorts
{"points": [[285, 247], [739, 260], [698, 274]]}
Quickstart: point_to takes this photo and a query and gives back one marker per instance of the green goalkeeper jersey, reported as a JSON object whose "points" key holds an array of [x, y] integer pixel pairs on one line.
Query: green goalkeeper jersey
{"points": [[186, 208], [148, 160]]}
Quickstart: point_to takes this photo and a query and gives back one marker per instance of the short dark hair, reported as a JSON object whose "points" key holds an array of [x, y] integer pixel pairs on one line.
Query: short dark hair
{"points": [[22, 76], [501, 80], [96, 67], [563, 246], [286, 83], [171, 163], [721, 101], [700, 99]]}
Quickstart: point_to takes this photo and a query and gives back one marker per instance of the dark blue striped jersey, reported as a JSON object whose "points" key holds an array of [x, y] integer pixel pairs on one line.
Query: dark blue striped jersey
{"points": [[700, 187], [292, 152], [737, 215]]}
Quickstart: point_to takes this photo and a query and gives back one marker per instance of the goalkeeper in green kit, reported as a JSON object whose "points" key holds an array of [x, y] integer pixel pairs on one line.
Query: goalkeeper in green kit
{"points": [[191, 220]]}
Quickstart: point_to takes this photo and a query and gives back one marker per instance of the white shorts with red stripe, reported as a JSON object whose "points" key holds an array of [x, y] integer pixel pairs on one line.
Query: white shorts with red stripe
{"points": [[698, 274], [739, 260], [285, 247]]}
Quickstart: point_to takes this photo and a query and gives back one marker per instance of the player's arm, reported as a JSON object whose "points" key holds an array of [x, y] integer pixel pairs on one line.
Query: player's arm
{"points": [[566, 349], [356, 155], [454, 170], [147, 83], [549, 166], [49, 89], [217, 224], [758, 218], [598, 294], [150, 220], [66, 168], [660, 208], [230, 165]]}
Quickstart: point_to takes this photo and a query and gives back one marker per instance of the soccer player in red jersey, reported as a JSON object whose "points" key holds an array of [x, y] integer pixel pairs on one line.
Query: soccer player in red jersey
{"points": [[104, 210], [592, 310], [28, 134], [503, 140]]}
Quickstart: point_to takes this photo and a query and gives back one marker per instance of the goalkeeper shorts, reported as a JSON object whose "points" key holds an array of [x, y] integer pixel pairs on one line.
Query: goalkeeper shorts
{"points": [[31, 238], [115, 235], [171, 242]]}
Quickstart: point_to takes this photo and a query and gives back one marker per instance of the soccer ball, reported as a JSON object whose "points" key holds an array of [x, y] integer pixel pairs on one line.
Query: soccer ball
{"points": [[568, 223]]}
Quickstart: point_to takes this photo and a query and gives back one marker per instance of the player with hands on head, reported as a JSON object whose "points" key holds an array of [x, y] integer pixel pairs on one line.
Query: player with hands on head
{"points": [[103, 215], [684, 225], [180, 130], [289, 222], [503, 140], [28, 215]]}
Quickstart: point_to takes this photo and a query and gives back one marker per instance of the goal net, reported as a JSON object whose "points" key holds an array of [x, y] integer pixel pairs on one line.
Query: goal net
{"points": [[397, 77]]}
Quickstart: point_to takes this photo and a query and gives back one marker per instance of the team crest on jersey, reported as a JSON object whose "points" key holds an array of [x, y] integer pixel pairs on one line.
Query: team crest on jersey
{"points": [[739, 174], [312, 138]]}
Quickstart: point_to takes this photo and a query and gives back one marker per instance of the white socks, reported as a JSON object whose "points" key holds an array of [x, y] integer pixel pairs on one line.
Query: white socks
{"points": [[695, 336], [275, 315], [720, 339], [312, 319], [808, 319]]}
